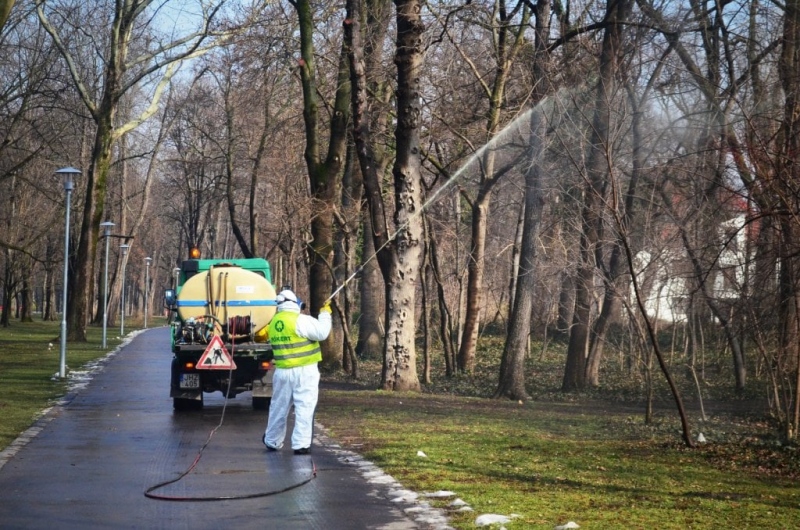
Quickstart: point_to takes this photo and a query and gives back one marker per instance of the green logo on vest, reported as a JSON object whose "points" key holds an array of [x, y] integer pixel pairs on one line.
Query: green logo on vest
{"points": [[279, 325]]}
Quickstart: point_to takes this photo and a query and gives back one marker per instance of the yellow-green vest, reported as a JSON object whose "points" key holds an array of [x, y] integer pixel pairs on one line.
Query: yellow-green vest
{"points": [[288, 348]]}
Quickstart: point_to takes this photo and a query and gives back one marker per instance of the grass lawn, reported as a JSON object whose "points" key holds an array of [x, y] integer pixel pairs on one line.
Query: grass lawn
{"points": [[29, 359], [551, 463]]}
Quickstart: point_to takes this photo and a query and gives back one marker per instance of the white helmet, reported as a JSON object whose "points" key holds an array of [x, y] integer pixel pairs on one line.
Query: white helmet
{"points": [[286, 295]]}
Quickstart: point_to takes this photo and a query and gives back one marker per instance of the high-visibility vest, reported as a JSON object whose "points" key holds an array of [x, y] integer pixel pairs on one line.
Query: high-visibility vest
{"points": [[289, 349]]}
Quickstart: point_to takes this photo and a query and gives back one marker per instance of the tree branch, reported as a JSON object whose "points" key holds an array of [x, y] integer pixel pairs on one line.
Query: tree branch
{"points": [[73, 69]]}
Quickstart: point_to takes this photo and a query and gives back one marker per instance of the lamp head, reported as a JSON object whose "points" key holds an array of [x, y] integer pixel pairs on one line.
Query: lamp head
{"points": [[69, 174], [107, 226]]}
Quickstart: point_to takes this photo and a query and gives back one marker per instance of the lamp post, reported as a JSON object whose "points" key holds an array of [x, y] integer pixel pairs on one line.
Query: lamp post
{"points": [[124, 249], [147, 262], [107, 225], [68, 173]]}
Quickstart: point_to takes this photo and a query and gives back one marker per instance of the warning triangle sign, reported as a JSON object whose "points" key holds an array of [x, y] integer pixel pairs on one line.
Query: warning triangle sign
{"points": [[216, 357]]}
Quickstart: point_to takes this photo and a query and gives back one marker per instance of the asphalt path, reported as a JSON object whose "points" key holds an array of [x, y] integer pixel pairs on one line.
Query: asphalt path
{"points": [[94, 455]]}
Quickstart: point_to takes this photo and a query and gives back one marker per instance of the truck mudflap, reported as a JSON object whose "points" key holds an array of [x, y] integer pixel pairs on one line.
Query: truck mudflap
{"points": [[194, 395]]}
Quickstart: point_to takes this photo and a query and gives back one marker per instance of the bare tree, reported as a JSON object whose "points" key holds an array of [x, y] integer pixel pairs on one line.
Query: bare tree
{"points": [[399, 244], [375, 19], [511, 382], [598, 164], [121, 72], [506, 25], [324, 174]]}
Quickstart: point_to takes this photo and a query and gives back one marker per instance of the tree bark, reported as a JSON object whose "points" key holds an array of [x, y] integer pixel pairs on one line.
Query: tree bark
{"points": [[344, 254], [366, 57], [512, 365]]}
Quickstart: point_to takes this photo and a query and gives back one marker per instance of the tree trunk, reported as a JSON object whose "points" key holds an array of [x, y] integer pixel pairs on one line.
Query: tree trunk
{"points": [[511, 382], [230, 194], [512, 365], [445, 321], [789, 69], [599, 160], [477, 260], [614, 286], [49, 312], [400, 358], [425, 321], [344, 255], [399, 254], [370, 328], [8, 290], [82, 276], [366, 59], [26, 300], [509, 42], [323, 175], [512, 283]]}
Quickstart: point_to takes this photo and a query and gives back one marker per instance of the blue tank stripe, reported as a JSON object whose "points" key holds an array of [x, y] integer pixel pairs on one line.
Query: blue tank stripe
{"points": [[231, 303], [191, 303]]}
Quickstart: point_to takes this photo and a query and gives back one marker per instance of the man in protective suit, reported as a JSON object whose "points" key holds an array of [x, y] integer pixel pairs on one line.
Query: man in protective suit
{"points": [[296, 351]]}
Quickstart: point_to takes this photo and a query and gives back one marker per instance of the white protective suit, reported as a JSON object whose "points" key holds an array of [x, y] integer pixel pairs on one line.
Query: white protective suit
{"points": [[297, 386]]}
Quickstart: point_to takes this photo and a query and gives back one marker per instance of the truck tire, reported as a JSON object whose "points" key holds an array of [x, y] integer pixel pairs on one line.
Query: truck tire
{"points": [[261, 403], [180, 405]]}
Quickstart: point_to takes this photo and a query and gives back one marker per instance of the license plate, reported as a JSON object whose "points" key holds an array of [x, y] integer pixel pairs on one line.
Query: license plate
{"points": [[190, 381]]}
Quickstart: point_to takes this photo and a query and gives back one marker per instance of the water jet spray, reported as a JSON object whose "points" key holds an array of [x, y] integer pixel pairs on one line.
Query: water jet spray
{"points": [[475, 156]]}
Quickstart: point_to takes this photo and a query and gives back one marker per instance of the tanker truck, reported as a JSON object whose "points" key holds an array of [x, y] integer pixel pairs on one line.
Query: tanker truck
{"points": [[219, 313]]}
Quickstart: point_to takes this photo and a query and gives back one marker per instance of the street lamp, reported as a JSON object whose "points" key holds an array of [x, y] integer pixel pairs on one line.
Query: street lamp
{"points": [[124, 248], [147, 262], [68, 173], [107, 225]]}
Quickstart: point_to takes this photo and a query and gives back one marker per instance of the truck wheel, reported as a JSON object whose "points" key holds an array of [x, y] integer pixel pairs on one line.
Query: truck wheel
{"points": [[261, 403], [179, 404]]}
